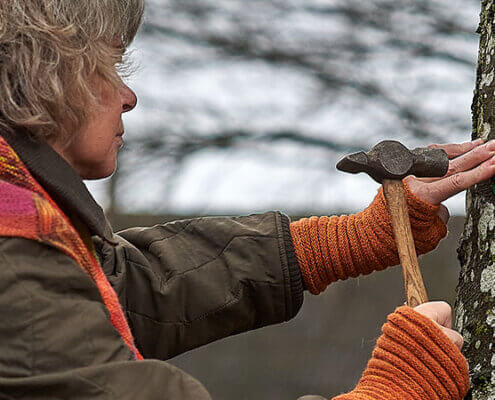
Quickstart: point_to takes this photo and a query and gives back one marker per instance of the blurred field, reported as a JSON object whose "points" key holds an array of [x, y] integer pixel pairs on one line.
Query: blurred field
{"points": [[326, 347]]}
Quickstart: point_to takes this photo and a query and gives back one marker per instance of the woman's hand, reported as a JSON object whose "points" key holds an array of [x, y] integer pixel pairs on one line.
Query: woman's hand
{"points": [[441, 313], [470, 163]]}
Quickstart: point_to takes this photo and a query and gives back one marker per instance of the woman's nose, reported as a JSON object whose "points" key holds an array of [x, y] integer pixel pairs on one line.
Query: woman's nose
{"points": [[129, 99]]}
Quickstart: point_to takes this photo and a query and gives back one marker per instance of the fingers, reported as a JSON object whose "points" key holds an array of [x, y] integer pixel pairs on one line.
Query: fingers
{"points": [[454, 336], [450, 186], [440, 313], [455, 150], [469, 168], [472, 158]]}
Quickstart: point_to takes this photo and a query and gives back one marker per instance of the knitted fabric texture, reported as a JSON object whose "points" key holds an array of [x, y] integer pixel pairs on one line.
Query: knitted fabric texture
{"points": [[27, 211], [336, 248], [413, 360]]}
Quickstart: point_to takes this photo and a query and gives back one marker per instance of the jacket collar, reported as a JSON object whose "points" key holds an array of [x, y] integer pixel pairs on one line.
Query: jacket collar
{"points": [[61, 182]]}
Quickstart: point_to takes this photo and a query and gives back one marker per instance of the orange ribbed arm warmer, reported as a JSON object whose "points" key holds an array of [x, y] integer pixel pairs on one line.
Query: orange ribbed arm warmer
{"points": [[412, 360], [336, 248]]}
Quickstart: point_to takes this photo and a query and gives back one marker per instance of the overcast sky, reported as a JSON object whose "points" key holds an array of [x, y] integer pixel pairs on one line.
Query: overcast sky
{"points": [[188, 86]]}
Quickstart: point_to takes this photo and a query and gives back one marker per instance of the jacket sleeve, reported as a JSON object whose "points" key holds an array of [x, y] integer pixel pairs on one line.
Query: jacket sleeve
{"points": [[190, 282]]}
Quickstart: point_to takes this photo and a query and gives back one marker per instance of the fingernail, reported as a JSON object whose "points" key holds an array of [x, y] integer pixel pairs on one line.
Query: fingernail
{"points": [[478, 141]]}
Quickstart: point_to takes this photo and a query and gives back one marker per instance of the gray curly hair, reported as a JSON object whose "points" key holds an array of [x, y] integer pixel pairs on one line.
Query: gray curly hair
{"points": [[49, 50]]}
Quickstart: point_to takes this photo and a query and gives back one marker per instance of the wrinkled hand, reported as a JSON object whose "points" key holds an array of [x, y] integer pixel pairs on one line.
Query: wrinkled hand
{"points": [[470, 163], [441, 313]]}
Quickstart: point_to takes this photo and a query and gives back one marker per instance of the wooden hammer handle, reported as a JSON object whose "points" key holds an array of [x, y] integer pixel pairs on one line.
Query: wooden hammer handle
{"points": [[395, 194]]}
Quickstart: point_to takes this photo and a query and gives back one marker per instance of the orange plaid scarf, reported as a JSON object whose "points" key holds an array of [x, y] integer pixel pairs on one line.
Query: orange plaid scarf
{"points": [[27, 211]]}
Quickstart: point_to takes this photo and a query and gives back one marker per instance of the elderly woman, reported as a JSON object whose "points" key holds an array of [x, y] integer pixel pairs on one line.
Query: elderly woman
{"points": [[82, 306]]}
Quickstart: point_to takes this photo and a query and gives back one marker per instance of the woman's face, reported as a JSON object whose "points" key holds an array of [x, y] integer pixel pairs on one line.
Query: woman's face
{"points": [[93, 153]]}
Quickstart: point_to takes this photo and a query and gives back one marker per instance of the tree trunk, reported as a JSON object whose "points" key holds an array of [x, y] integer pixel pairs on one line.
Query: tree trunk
{"points": [[475, 305]]}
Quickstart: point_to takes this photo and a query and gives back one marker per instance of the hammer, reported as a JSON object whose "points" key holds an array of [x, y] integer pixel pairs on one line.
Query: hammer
{"points": [[388, 163]]}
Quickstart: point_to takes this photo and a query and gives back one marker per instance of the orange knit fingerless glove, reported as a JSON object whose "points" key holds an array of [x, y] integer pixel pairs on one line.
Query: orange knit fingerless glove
{"points": [[413, 360], [336, 248]]}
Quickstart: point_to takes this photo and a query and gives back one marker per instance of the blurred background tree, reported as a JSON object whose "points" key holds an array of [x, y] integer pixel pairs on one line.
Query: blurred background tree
{"points": [[247, 106]]}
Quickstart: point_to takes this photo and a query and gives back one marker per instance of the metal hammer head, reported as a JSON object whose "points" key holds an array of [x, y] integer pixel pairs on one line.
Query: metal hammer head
{"points": [[392, 160]]}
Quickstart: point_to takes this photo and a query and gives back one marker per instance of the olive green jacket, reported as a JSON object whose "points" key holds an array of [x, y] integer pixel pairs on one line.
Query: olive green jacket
{"points": [[181, 285]]}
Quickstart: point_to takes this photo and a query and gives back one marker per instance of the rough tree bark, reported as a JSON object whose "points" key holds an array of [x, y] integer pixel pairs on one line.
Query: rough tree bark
{"points": [[475, 306]]}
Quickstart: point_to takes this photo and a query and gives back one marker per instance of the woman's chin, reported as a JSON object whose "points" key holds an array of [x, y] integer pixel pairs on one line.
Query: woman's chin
{"points": [[98, 171]]}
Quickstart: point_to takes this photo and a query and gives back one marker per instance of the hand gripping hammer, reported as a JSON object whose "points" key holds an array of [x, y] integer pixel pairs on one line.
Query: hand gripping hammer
{"points": [[388, 163]]}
